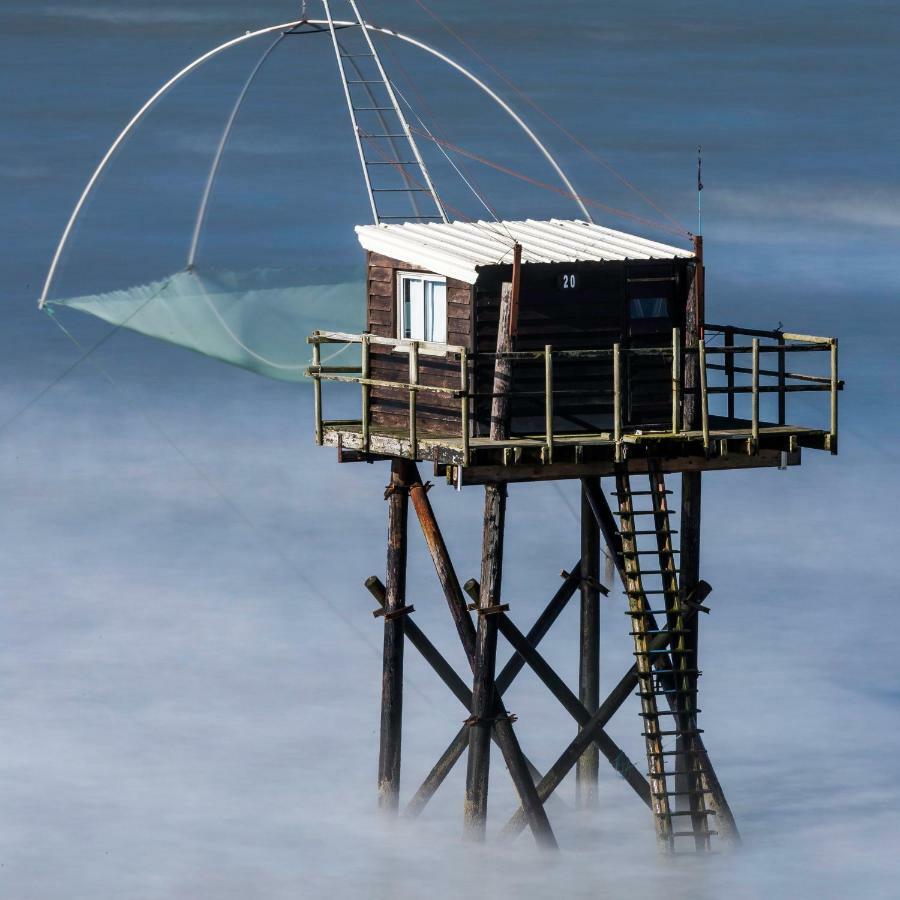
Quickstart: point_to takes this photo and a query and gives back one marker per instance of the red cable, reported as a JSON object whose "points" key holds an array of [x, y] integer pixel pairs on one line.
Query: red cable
{"points": [[552, 120]]}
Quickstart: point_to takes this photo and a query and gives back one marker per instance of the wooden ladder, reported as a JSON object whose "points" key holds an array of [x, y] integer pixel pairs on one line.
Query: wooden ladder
{"points": [[670, 673]]}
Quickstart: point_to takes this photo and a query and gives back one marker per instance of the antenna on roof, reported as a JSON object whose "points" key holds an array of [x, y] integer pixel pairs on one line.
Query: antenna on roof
{"points": [[699, 188]]}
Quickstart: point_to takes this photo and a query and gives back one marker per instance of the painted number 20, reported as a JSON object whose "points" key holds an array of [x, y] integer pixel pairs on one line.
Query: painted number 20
{"points": [[568, 282]]}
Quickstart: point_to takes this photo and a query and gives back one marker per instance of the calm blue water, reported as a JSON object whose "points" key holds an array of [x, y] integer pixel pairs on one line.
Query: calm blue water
{"points": [[189, 667]]}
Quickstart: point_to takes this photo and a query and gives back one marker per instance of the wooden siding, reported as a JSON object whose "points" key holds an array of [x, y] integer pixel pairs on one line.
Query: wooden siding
{"points": [[436, 414], [593, 315]]}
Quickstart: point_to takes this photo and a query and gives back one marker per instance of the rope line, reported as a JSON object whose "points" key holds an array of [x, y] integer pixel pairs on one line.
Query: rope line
{"points": [[541, 111], [653, 223]]}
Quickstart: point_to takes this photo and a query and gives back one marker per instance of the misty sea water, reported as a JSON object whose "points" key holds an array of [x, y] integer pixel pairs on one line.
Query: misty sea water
{"points": [[190, 671]]}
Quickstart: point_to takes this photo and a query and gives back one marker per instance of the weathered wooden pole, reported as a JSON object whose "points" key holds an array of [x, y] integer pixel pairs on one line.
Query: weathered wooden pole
{"points": [[480, 723], [483, 690], [394, 614], [535, 814], [686, 784], [586, 774]]}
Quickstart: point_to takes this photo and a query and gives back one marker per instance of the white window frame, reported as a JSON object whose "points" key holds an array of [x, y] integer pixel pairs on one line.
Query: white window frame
{"points": [[425, 319]]}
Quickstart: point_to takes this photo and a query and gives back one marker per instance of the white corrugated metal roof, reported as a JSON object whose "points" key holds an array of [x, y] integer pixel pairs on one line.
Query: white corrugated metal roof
{"points": [[459, 249]]}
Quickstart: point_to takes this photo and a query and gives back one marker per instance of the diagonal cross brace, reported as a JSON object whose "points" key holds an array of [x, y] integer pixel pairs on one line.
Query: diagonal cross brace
{"points": [[438, 663], [513, 667], [534, 813], [591, 729], [608, 747]]}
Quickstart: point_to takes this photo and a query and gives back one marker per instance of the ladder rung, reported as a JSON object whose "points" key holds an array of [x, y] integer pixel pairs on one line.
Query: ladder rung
{"points": [[410, 218], [687, 812], [400, 190], [658, 572], [662, 652], [649, 593], [401, 135], [654, 612], [688, 732], [649, 552], [648, 531], [697, 792], [639, 493], [664, 712], [355, 55], [373, 109], [365, 81], [653, 672], [391, 162], [662, 631], [703, 832], [686, 772], [645, 512], [669, 753]]}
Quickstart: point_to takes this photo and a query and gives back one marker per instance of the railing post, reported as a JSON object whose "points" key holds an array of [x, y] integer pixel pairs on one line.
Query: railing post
{"points": [[782, 395], [366, 371], [617, 401], [317, 392], [548, 400], [413, 381], [833, 436], [729, 369], [676, 381], [464, 402], [755, 395], [704, 396]]}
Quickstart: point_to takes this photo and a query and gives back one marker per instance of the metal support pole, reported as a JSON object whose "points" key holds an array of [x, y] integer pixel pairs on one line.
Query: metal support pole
{"points": [[833, 436], [729, 370], [782, 396], [755, 396]]}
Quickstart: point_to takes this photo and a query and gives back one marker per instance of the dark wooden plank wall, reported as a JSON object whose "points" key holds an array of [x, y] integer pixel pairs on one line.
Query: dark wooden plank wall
{"points": [[594, 315], [436, 414]]}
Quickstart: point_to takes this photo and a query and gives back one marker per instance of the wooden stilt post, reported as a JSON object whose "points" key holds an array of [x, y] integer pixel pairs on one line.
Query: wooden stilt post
{"points": [[485, 661], [685, 783], [480, 723], [535, 814], [586, 773], [392, 674]]}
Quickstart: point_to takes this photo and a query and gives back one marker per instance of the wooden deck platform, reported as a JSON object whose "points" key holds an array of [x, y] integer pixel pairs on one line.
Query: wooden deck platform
{"points": [[731, 445]]}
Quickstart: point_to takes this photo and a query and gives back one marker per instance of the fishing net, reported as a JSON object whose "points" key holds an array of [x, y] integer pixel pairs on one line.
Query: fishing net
{"points": [[238, 243]]}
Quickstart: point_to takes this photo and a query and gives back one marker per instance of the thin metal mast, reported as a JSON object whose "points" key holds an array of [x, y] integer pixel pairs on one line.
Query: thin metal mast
{"points": [[358, 133]]}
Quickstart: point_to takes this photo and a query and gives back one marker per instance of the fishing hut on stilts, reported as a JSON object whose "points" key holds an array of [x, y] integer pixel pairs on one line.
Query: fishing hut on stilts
{"points": [[501, 352], [522, 351]]}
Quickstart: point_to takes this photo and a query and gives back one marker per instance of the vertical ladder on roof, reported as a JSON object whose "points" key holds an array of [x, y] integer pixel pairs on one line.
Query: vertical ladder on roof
{"points": [[378, 145], [674, 747]]}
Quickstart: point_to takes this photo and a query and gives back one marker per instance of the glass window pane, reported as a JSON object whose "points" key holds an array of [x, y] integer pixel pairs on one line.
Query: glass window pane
{"points": [[649, 308], [436, 311], [406, 323]]}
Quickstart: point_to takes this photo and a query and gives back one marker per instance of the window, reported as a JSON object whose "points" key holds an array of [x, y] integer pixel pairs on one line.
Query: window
{"points": [[649, 308], [422, 307]]}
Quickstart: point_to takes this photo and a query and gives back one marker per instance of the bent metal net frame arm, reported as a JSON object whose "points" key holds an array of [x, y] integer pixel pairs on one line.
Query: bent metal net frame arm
{"points": [[162, 91]]}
